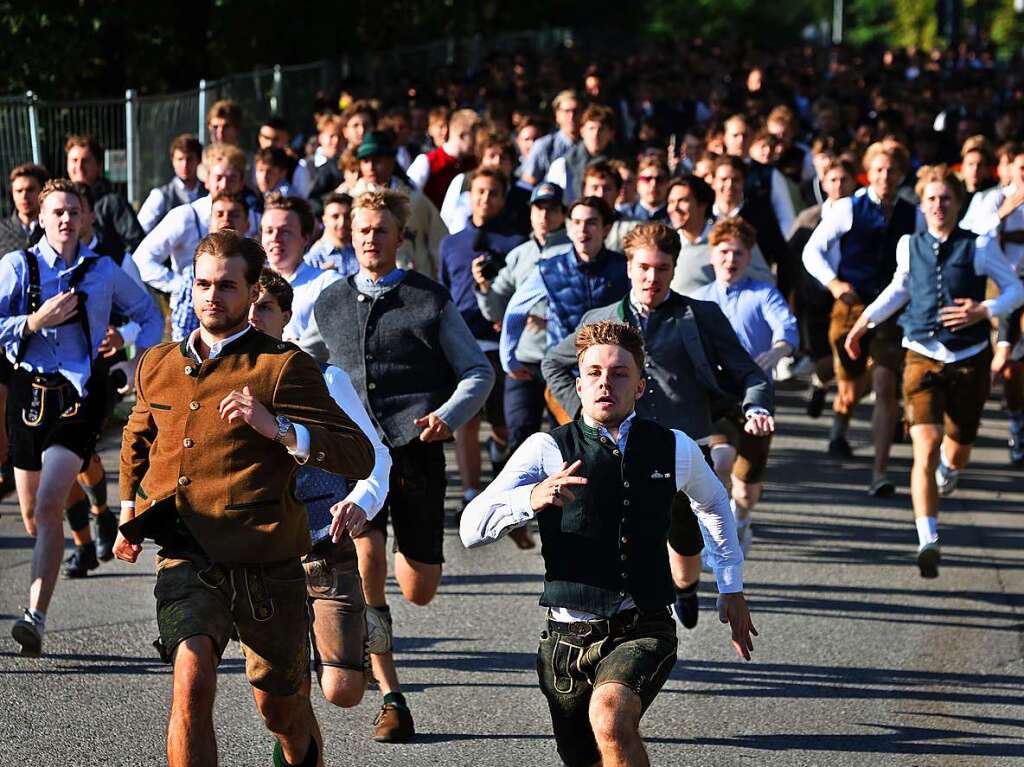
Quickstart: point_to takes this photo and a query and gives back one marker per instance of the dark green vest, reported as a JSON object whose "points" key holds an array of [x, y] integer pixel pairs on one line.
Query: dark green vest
{"points": [[609, 542]]}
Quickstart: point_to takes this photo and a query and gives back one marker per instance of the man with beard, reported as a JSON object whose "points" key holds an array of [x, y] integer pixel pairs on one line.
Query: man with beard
{"points": [[205, 474]]}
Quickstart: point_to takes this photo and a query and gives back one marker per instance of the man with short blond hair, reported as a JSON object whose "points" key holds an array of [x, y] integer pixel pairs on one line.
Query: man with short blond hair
{"points": [[602, 489], [421, 375], [224, 122], [687, 341]]}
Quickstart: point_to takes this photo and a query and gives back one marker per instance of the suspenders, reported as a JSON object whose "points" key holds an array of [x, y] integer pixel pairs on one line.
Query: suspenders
{"points": [[34, 295]]}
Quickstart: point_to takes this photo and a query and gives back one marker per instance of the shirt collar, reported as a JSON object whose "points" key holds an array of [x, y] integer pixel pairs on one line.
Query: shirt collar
{"points": [[728, 213], [624, 427], [302, 267], [389, 279], [641, 309], [724, 290], [701, 238], [51, 256], [216, 348]]}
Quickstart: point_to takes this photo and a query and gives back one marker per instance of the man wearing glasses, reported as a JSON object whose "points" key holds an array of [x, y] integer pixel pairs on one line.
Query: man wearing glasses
{"points": [[651, 190]]}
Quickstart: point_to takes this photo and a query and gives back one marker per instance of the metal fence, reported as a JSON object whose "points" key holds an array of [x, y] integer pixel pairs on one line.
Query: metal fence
{"points": [[136, 131]]}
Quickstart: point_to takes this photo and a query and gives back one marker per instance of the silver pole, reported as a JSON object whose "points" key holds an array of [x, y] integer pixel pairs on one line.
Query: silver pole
{"points": [[130, 138], [33, 127], [837, 22], [202, 113], [275, 94]]}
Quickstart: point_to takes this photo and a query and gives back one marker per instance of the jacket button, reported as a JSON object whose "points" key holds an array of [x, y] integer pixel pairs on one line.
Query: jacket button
{"points": [[371, 386], [626, 502], [616, 452], [320, 456], [188, 370], [184, 481], [193, 405], [187, 442], [360, 297], [622, 593], [624, 575], [626, 484], [604, 440], [624, 539], [369, 358], [622, 557]]}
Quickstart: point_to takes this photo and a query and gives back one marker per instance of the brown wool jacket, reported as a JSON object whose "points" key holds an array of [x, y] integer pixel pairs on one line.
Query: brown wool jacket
{"points": [[231, 486]]}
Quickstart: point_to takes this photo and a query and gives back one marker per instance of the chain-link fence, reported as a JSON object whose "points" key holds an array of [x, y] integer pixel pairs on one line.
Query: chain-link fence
{"points": [[136, 131]]}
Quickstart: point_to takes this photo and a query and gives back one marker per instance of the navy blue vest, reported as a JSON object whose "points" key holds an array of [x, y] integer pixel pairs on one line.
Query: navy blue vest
{"points": [[609, 542], [940, 272], [868, 250], [575, 287]]}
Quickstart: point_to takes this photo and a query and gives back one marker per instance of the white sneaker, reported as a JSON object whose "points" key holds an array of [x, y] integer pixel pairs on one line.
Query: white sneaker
{"points": [[746, 536], [946, 479], [784, 369]]}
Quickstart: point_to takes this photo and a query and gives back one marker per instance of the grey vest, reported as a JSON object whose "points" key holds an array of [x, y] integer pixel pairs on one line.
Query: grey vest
{"points": [[391, 348]]}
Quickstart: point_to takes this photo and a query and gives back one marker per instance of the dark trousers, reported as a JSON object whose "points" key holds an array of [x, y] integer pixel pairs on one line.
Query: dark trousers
{"points": [[524, 406]]}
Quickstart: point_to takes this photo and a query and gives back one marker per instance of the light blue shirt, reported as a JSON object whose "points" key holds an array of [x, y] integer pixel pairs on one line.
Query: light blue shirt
{"points": [[323, 252], [63, 349], [307, 283], [757, 312]]}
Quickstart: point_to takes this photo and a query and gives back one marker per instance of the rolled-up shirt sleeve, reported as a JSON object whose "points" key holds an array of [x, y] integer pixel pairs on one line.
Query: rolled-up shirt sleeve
{"points": [[472, 369], [151, 255], [710, 504]]}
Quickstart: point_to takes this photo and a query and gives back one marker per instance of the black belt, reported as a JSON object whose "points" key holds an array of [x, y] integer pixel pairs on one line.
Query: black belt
{"points": [[45, 380], [616, 625]]}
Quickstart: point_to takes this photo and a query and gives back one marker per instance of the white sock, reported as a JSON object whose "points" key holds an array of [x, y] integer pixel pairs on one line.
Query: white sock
{"points": [[816, 382], [39, 617], [927, 530]]}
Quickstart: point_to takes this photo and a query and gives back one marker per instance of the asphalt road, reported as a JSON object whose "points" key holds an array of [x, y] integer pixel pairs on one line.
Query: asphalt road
{"points": [[860, 662]]}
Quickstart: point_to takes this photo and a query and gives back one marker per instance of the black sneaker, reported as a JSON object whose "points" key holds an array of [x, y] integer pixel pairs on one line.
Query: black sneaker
{"points": [[840, 448], [928, 557], [106, 534], [82, 560], [26, 633], [815, 401], [687, 609]]}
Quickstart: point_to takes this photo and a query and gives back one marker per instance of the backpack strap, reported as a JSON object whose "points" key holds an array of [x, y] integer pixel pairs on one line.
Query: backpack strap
{"points": [[33, 296]]}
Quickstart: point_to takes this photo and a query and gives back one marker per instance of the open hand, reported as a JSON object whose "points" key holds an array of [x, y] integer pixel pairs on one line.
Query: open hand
{"points": [[347, 516], [732, 609], [759, 424]]}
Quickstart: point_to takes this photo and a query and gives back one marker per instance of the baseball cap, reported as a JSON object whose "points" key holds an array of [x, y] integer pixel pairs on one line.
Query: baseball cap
{"points": [[546, 192]]}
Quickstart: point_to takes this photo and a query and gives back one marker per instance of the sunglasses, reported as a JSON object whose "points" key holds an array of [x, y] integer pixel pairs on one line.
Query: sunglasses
{"points": [[651, 179]]}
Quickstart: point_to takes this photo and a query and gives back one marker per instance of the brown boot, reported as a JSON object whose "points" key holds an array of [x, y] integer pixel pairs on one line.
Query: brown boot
{"points": [[393, 724]]}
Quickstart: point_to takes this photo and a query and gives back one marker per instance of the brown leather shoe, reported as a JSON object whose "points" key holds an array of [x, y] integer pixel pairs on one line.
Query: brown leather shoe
{"points": [[393, 725]]}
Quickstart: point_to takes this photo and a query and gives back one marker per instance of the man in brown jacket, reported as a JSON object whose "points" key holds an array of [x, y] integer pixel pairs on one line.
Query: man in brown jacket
{"points": [[201, 475]]}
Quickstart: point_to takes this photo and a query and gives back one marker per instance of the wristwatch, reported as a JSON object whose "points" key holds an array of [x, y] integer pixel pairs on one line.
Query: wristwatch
{"points": [[283, 427]]}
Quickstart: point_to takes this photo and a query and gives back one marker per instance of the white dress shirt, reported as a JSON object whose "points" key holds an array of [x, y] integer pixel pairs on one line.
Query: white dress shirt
{"points": [[155, 207], [505, 504], [176, 237], [988, 260], [982, 217], [307, 283], [370, 493]]}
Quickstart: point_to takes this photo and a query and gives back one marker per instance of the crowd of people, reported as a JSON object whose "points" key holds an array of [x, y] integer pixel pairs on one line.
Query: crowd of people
{"points": [[609, 265]]}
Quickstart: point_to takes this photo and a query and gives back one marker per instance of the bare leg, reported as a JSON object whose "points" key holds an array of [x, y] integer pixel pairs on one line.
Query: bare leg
{"points": [[290, 719], [342, 687], [615, 719], [923, 492], [27, 484], [371, 548], [467, 453], [957, 455], [883, 420], [191, 741], [746, 495], [60, 466]]}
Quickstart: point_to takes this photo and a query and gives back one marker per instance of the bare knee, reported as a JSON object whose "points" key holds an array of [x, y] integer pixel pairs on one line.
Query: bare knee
{"points": [[281, 714], [195, 676], [419, 594], [746, 494], [343, 687], [615, 715]]}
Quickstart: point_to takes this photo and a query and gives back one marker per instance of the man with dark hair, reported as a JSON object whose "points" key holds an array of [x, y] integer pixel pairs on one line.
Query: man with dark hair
{"points": [[22, 230], [651, 185], [695, 367], [272, 169], [286, 227], [223, 512], [55, 304], [183, 189], [115, 218], [334, 248], [487, 235], [581, 278], [602, 490], [274, 133], [547, 149], [420, 375], [601, 178]]}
